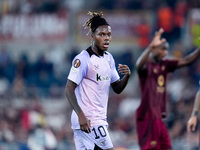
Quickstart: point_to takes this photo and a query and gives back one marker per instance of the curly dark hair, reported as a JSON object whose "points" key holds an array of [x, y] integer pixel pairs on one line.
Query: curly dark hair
{"points": [[95, 21]]}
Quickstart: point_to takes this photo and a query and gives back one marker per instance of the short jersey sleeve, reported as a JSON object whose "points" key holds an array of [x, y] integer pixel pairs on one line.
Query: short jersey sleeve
{"points": [[79, 68], [171, 65]]}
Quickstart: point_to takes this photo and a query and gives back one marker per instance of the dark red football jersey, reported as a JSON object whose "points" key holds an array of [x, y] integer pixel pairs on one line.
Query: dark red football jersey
{"points": [[153, 89]]}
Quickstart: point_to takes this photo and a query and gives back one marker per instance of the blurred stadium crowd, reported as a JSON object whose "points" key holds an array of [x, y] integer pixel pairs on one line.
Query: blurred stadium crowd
{"points": [[34, 112]]}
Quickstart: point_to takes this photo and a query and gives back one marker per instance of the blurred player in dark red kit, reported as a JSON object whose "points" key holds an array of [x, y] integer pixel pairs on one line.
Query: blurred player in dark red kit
{"points": [[152, 69]]}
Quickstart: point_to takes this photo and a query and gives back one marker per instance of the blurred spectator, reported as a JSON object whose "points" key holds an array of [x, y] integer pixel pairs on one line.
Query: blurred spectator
{"points": [[166, 20], [106, 4], [179, 18], [73, 52], [59, 59], [6, 135], [144, 33], [55, 92], [7, 67], [44, 70], [50, 6], [4, 86], [4, 56], [19, 88], [41, 138], [22, 67], [26, 6], [127, 58]]}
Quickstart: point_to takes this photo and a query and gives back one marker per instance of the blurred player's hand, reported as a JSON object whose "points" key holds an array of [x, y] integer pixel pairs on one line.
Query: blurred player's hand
{"points": [[157, 38], [124, 69], [191, 125]]}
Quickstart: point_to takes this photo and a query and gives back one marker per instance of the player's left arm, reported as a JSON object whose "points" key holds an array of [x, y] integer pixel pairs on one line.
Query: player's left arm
{"points": [[192, 122], [119, 85], [189, 59]]}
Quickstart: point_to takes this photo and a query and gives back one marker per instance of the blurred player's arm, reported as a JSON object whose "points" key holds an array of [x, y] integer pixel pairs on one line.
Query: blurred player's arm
{"points": [[191, 125], [157, 41], [119, 85], [70, 94], [189, 59]]}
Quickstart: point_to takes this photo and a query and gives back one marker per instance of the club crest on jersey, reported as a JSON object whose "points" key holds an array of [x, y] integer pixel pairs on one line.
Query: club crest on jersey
{"points": [[161, 80], [109, 64], [77, 63], [153, 143], [96, 67]]}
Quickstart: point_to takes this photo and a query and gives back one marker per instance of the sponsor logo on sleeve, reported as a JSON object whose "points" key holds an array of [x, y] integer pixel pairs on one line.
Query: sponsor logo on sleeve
{"points": [[73, 69], [77, 63]]}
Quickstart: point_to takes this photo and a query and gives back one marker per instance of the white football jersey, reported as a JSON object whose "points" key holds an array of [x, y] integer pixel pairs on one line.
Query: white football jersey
{"points": [[93, 74]]}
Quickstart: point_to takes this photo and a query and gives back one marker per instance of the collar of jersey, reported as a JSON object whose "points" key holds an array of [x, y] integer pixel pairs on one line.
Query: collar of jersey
{"points": [[91, 52]]}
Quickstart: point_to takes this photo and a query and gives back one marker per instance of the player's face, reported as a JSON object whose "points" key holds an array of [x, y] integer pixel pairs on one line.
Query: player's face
{"points": [[161, 52], [102, 37]]}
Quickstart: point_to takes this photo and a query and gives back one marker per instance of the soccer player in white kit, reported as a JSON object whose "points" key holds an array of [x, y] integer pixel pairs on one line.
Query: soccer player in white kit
{"points": [[87, 88]]}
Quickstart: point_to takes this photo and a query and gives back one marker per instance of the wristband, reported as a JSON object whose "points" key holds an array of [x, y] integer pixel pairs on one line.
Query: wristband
{"points": [[195, 113]]}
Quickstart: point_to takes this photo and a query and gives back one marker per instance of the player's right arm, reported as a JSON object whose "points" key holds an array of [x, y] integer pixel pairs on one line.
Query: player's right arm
{"points": [[70, 94], [141, 61], [191, 125]]}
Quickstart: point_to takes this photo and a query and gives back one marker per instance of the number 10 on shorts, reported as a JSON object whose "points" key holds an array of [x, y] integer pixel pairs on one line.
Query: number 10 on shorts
{"points": [[99, 131]]}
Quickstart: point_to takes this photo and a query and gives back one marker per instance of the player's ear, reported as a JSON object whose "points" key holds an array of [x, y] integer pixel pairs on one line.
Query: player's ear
{"points": [[92, 36]]}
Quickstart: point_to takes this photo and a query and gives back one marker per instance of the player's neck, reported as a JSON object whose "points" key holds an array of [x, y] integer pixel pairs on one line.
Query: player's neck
{"points": [[156, 59], [98, 51]]}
